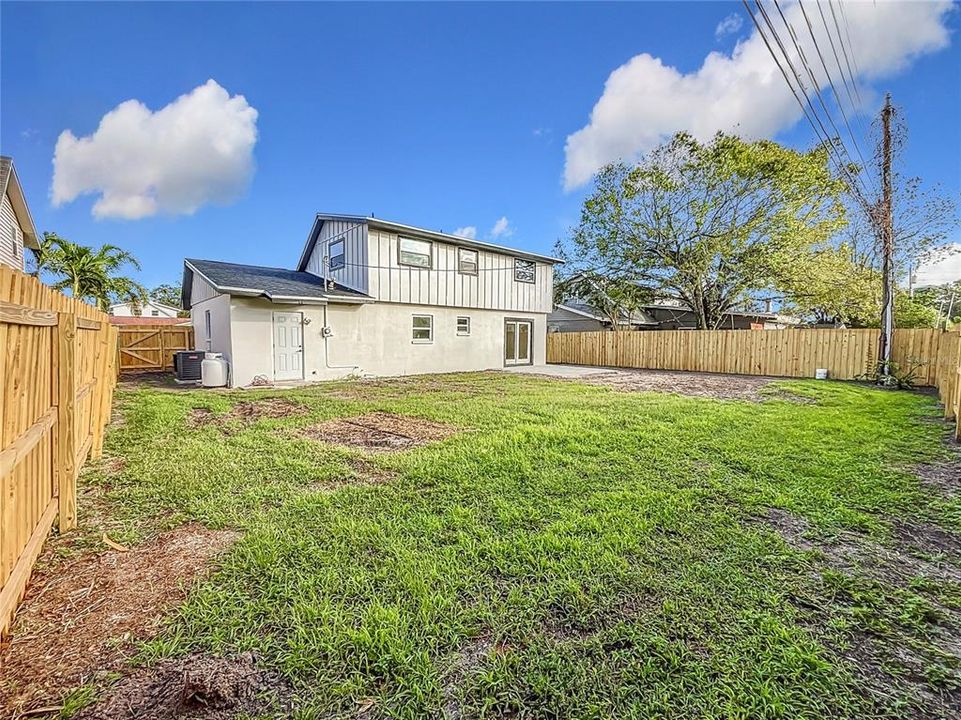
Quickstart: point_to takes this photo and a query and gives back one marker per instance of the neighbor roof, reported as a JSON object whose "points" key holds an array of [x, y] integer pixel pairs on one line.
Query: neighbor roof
{"points": [[276, 284], [411, 231], [10, 184], [586, 310]]}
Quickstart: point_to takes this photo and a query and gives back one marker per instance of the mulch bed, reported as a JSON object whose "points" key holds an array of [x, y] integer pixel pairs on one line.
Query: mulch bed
{"points": [[197, 686], [379, 432], [81, 619]]}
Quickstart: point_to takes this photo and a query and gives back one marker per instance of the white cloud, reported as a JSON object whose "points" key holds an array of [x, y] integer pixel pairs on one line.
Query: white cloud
{"points": [[502, 228], [645, 101], [729, 25], [468, 231], [945, 268], [196, 150]]}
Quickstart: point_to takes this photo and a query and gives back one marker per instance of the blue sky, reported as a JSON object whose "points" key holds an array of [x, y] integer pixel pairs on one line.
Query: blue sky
{"points": [[440, 115]]}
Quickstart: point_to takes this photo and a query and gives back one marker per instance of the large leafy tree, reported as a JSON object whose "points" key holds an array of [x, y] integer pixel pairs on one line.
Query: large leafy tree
{"points": [[710, 225], [90, 274], [166, 294]]}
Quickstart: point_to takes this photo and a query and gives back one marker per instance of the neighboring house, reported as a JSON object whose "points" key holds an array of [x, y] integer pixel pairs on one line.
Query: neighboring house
{"points": [[138, 320], [373, 297], [580, 317], [17, 230], [146, 310]]}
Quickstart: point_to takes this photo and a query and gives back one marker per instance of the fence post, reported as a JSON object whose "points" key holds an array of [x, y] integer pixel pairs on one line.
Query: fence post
{"points": [[98, 407], [65, 439]]}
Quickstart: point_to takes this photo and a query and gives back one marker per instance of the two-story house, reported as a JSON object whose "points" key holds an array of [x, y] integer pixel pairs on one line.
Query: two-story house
{"points": [[17, 230], [372, 297]]}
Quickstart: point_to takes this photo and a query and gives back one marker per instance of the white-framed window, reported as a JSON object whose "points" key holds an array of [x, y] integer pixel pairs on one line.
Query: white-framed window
{"points": [[155, 313], [524, 270], [422, 328], [207, 328], [463, 325], [15, 242], [415, 253], [337, 255], [466, 261]]}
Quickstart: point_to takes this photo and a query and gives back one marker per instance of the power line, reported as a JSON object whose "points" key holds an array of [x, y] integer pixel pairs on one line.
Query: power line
{"points": [[814, 81], [807, 107], [837, 59], [856, 108], [854, 59]]}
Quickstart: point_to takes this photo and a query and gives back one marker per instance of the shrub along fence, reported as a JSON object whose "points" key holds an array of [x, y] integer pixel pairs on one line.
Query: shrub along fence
{"points": [[57, 375], [152, 347], [932, 356]]}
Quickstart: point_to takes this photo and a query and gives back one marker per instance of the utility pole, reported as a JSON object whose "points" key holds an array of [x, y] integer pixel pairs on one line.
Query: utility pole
{"points": [[885, 222]]}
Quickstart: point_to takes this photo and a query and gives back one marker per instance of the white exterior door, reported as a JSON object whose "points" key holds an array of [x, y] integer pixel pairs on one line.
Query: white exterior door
{"points": [[517, 342], [288, 346]]}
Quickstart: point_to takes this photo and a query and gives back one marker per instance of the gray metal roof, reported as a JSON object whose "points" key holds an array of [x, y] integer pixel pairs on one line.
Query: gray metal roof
{"points": [[277, 284]]}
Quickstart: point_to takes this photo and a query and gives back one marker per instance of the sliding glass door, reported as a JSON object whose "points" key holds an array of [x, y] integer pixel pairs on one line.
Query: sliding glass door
{"points": [[517, 342]]}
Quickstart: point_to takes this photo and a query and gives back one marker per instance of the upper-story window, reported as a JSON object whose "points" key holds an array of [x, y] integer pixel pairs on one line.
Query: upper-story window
{"points": [[414, 252], [14, 242], [466, 261], [523, 270], [337, 255]]}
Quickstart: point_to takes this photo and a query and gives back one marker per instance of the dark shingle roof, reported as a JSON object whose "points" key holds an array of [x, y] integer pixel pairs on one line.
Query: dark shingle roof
{"points": [[237, 279]]}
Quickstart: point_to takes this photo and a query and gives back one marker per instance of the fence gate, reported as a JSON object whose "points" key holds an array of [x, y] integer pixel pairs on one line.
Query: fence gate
{"points": [[151, 347]]}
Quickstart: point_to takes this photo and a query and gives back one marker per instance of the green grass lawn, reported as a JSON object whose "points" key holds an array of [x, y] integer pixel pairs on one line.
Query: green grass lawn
{"points": [[575, 552]]}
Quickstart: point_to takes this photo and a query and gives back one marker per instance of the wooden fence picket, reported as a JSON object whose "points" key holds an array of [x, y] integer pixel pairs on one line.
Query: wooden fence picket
{"points": [[57, 374]]}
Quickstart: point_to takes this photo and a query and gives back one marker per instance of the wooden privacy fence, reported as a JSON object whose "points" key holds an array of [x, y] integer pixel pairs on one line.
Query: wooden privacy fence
{"points": [[152, 347], [846, 354], [57, 376]]}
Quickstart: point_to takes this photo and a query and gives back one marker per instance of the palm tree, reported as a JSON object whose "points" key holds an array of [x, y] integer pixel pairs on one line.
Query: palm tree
{"points": [[89, 274]]}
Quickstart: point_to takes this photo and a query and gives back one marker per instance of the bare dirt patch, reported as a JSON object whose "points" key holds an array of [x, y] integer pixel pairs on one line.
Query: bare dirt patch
{"points": [[465, 662], [80, 619], [943, 477], [454, 385], [153, 380], [379, 432], [718, 387], [197, 686], [245, 413], [896, 659]]}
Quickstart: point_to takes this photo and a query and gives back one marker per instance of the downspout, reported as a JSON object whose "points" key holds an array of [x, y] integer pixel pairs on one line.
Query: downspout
{"points": [[327, 348]]}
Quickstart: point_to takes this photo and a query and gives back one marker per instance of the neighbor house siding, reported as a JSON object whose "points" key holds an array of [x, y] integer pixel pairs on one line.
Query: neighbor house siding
{"points": [[11, 236], [127, 310], [492, 288], [354, 274], [562, 320]]}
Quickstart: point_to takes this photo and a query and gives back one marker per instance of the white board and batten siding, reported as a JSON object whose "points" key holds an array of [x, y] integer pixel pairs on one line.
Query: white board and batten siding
{"points": [[492, 288], [354, 274], [11, 236], [373, 267]]}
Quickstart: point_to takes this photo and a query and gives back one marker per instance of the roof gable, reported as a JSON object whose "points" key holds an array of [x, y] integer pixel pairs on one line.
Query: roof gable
{"points": [[10, 185]]}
